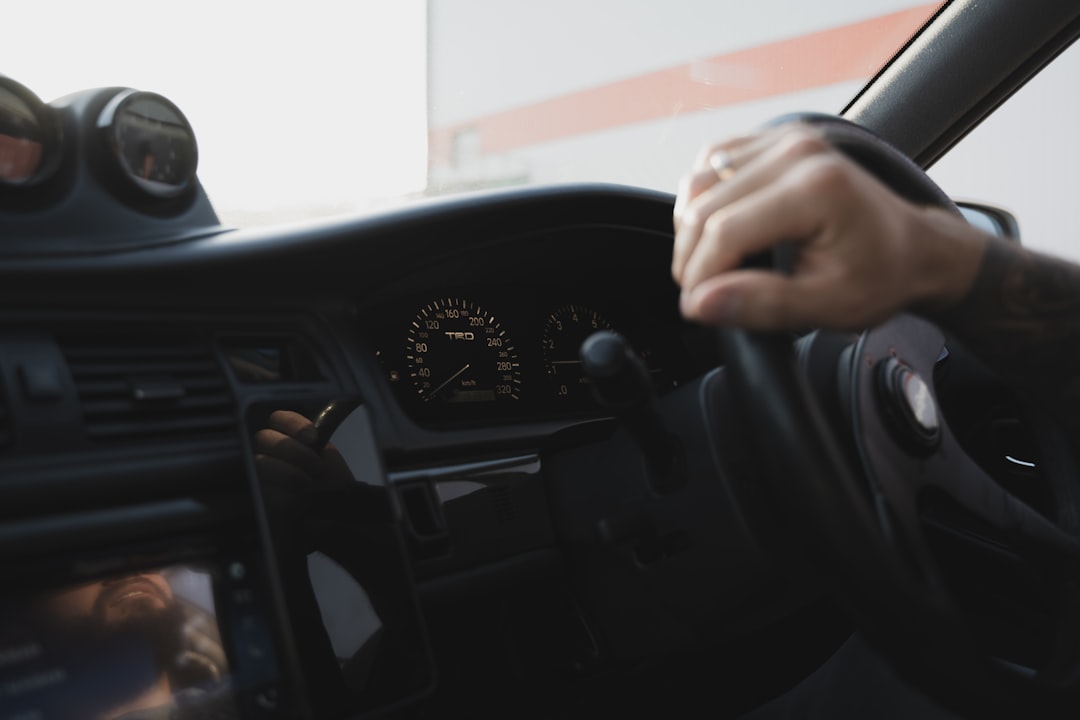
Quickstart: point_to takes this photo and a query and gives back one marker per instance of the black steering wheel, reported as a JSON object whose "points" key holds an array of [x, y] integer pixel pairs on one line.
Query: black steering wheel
{"points": [[867, 507]]}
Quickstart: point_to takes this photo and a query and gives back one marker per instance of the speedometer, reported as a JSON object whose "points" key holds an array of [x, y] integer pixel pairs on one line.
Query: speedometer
{"points": [[457, 352]]}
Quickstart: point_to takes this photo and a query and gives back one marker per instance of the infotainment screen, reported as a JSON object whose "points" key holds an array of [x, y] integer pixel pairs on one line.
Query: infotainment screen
{"points": [[139, 646]]}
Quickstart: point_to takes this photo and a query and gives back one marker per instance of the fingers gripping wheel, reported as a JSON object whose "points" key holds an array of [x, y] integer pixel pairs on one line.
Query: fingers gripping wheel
{"points": [[862, 519]]}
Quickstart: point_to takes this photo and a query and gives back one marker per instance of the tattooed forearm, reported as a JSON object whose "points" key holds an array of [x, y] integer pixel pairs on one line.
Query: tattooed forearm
{"points": [[1022, 318]]}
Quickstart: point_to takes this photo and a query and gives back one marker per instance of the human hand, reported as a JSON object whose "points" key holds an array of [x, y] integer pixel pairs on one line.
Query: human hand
{"points": [[864, 253], [285, 454]]}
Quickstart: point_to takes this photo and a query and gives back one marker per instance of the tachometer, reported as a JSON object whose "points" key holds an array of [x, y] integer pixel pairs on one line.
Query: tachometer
{"points": [[565, 330], [458, 353]]}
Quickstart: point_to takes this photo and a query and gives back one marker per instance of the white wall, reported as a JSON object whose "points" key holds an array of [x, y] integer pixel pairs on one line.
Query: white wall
{"points": [[490, 55], [1026, 158]]}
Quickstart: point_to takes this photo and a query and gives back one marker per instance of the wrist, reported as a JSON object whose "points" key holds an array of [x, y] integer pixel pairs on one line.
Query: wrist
{"points": [[947, 253]]}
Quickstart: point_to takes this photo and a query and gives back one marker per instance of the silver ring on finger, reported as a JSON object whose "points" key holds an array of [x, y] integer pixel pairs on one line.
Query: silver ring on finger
{"points": [[720, 162]]}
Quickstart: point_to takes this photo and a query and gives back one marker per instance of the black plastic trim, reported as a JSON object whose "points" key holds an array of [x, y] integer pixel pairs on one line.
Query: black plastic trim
{"points": [[937, 90]]}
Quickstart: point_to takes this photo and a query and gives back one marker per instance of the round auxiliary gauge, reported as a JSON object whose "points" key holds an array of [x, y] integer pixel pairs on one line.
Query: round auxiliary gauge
{"points": [[29, 137], [151, 141], [458, 353], [564, 332]]}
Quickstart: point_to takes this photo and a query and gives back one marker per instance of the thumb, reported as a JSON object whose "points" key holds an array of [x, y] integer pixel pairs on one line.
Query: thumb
{"points": [[752, 299]]}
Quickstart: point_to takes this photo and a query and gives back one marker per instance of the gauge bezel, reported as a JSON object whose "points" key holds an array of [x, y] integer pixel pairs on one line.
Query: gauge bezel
{"points": [[575, 391], [107, 129], [51, 136], [466, 310]]}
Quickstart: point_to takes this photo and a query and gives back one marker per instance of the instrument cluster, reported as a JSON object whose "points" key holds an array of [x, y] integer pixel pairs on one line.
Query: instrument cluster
{"points": [[484, 354]]}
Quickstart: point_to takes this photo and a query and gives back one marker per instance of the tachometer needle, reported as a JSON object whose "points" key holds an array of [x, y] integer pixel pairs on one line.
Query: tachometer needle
{"points": [[449, 380]]}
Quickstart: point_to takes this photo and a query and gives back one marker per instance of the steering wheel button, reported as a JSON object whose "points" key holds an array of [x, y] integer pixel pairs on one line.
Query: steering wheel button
{"points": [[920, 403], [908, 404]]}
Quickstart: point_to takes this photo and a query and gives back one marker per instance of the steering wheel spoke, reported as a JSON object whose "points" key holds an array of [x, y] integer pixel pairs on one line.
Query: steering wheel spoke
{"points": [[907, 468], [1026, 530]]}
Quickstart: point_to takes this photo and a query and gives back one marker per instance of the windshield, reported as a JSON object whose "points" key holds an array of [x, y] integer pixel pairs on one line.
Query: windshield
{"points": [[345, 106]]}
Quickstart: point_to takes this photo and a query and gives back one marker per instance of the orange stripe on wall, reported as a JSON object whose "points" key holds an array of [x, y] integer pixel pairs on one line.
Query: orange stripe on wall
{"points": [[845, 53]]}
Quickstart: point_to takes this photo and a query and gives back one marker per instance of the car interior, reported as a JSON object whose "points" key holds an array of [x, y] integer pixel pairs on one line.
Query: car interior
{"points": [[465, 458]]}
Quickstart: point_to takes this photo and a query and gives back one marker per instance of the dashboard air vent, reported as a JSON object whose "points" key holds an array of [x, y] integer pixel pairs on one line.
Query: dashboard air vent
{"points": [[143, 388], [5, 419]]}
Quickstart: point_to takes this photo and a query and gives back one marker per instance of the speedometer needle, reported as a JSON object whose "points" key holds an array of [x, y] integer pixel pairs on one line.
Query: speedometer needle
{"points": [[449, 380]]}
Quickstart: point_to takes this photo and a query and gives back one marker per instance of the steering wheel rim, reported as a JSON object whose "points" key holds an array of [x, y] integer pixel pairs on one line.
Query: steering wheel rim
{"points": [[861, 522]]}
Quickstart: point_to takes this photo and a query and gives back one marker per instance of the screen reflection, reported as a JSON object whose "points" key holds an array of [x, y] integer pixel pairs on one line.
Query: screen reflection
{"points": [[139, 646]]}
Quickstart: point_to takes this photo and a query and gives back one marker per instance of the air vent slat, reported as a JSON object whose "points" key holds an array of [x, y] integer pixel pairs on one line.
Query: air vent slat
{"points": [[106, 369], [159, 429], [111, 388], [5, 419], [107, 406], [149, 389], [127, 349]]}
